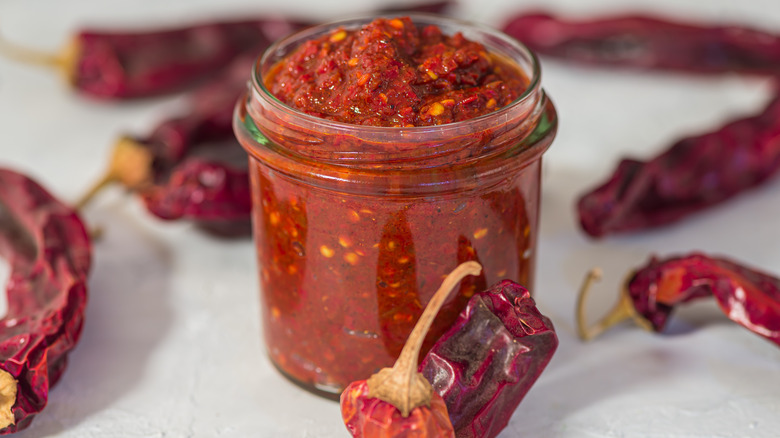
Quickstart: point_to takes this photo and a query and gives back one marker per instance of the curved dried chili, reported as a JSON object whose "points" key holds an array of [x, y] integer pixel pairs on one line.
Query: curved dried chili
{"points": [[749, 297], [128, 64], [650, 43], [173, 183], [693, 174], [49, 251], [140, 63]]}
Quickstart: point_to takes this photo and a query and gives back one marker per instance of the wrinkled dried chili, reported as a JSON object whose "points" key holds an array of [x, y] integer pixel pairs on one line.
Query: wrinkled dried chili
{"points": [[49, 252], [174, 184], [130, 64], [127, 64], [489, 359], [650, 43], [748, 297], [693, 174], [398, 401]]}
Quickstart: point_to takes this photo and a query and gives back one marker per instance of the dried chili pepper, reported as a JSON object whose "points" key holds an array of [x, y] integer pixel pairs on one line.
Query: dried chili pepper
{"points": [[398, 401], [128, 64], [176, 185], [138, 63], [748, 297], [650, 43], [693, 174], [49, 251], [489, 359]]}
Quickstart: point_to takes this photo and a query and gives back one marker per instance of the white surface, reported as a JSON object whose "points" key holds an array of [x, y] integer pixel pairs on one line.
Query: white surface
{"points": [[171, 345]]}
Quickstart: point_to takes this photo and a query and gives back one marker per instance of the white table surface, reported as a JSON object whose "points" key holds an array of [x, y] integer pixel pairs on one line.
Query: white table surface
{"points": [[171, 344]]}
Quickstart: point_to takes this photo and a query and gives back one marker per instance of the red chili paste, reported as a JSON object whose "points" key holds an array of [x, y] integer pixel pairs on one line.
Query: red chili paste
{"points": [[392, 73], [348, 262]]}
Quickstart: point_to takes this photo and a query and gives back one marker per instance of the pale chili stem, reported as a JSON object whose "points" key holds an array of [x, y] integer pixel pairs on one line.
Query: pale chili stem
{"points": [[407, 360], [622, 310], [102, 183], [130, 164], [32, 56]]}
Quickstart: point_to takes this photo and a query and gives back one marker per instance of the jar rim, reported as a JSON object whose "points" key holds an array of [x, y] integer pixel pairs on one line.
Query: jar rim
{"points": [[525, 98]]}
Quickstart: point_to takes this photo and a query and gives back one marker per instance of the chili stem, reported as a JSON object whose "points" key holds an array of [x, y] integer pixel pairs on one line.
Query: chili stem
{"points": [[65, 61], [402, 386], [31, 56], [130, 165], [622, 310]]}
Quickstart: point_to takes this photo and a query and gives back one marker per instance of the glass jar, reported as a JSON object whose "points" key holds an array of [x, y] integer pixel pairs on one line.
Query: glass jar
{"points": [[356, 226]]}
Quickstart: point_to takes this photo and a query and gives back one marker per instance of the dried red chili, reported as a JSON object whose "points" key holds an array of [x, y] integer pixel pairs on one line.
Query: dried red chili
{"points": [[489, 359], [650, 43], [747, 296], [138, 63], [127, 64], [49, 251], [176, 185], [398, 401], [693, 174]]}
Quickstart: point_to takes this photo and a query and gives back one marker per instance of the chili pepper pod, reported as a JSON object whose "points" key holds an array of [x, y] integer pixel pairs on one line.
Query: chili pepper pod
{"points": [[398, 401], [748, 297], [172, 182], [693, 174], [49, 253], [650, 43], [130, 64], [489, 359]]}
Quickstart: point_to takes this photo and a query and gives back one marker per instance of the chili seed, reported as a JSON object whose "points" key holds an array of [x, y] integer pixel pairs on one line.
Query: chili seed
{"points": [[353, 62], [501, 273], [480, 233], [396, 23], [274, 218], [351, 258], [436, 109], [345, 242], [491, 103], [338, 36], [354, 216], [327, 252], [433, 75]]}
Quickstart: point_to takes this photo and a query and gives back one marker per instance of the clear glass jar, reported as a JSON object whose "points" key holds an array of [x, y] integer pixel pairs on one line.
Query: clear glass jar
{"points": [[356, 226]]}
